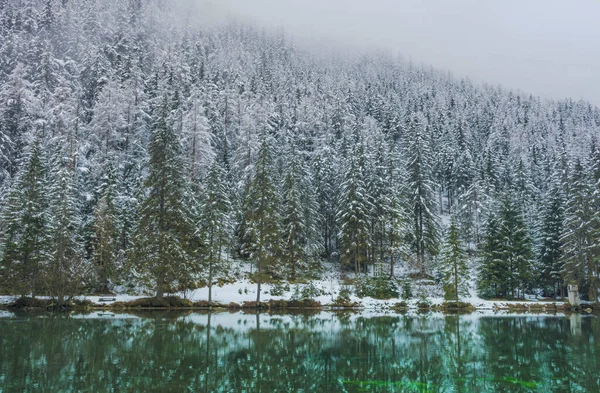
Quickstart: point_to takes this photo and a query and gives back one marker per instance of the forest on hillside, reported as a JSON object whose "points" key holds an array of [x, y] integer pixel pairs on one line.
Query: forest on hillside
{"points": [[141, 149]]}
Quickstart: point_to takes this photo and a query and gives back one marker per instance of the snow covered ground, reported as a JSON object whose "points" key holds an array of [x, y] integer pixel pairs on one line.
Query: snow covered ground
{"points": [[245, 291], [328, 290], [6, 299]]}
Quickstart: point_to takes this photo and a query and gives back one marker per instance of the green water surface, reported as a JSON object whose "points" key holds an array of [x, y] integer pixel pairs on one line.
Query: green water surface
{"points": [[162, 352]]}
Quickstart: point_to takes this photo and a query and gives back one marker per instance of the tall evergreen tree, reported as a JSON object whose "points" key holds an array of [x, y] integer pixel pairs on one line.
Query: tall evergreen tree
{"points": [[595, 223], [469, 211], [354, 214], [421, 200], [67, 269], [163, 247], [550, 255], [294, 227], [262, 218], [454, 268], [577, 239], [516, 247], [16, 118], [26, 243], [215, 224], [396, 223], [380, 199], [107, 251], [507, 253], [312, 218], [326, 195], [493, 270]]}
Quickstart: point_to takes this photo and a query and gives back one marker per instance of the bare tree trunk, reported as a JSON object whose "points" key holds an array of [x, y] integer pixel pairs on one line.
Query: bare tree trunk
{"points": [[210, 271], [456, 281], [160, 287]]}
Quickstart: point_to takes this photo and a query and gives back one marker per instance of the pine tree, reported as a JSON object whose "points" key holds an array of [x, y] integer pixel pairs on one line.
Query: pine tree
{"points": [[215, 223], [507, 253], [462, 171], [379, 199], [107, 250], [326, 195], [353, 215], [196, 134], [454, 265], [516, 247], [16, 118], [421, 200], [526, 197], [262, 218], [577, 239], [468, 212], [313, 245], [522, 185], [163, 245], [550, 255], [294, 227], [594, 248], [493, 270], [131, 192], [27, 239], [67, 270], [490, 176], [396, 217]]}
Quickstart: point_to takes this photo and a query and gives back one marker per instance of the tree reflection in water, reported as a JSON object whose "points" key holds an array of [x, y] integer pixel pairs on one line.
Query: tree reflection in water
{"points": [[165, 352]]}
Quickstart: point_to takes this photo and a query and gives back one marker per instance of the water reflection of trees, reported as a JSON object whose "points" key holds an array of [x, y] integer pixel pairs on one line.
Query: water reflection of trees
{"points": [[323, 353]]}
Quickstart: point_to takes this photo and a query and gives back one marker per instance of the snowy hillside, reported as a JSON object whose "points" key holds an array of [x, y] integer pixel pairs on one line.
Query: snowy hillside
{"points": [[141, 151]]}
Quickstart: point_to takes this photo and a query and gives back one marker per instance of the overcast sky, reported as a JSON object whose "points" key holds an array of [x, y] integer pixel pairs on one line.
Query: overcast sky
{"points": [[545, 47]]}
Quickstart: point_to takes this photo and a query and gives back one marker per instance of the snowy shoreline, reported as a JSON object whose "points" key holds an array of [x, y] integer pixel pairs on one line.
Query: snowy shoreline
{"points": [[233, 296]]}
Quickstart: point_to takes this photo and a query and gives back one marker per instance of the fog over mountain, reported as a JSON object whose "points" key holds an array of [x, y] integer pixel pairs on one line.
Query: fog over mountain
{"points": [[543, 47]]}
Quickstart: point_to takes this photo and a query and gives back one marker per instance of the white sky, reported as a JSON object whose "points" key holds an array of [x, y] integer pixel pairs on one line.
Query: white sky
{"points": [[544, 47]]}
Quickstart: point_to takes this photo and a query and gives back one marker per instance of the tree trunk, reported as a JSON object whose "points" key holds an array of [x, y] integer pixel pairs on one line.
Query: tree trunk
{"points": [[476, 213], [441, 199], [258, 281], [160, 288], [456, 282], [259, 276], [356, 262], [210, 270], [210, 284]]}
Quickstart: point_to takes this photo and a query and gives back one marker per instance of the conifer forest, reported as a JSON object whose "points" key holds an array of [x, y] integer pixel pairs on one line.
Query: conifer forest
{"points": [[140, 150]]}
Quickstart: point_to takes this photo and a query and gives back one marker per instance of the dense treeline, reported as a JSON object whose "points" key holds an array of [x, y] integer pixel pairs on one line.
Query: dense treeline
{"points": [[139, 149]]}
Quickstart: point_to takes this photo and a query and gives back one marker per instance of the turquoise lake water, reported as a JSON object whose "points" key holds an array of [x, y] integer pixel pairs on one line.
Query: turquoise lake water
{"points": [[325, 352]]}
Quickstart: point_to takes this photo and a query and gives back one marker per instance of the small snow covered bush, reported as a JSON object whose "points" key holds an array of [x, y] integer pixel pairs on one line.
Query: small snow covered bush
{"points": [[376, 287], [279, 289], [344, 300], [407, 290], [309, 291]]}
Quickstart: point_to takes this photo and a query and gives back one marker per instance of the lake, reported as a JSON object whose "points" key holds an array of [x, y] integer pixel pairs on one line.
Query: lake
{"points": [[323, 352]]}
